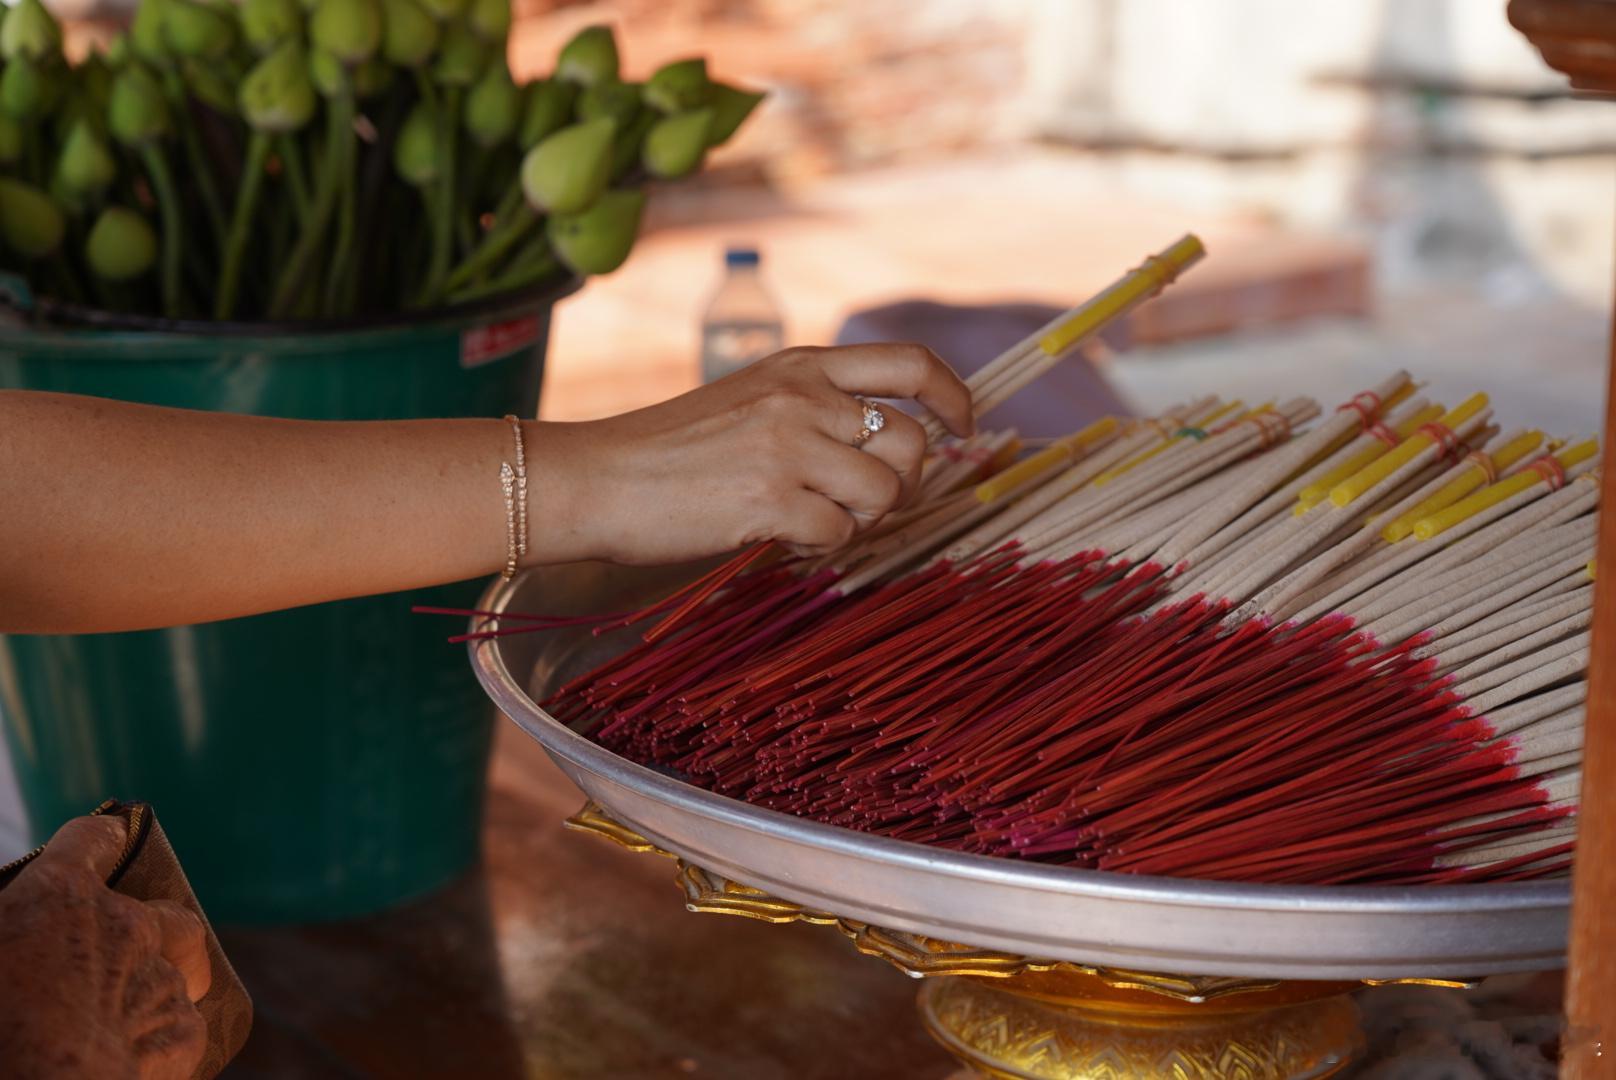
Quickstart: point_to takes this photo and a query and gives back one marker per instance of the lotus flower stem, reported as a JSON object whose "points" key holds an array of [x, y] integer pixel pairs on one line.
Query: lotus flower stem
{"points": [[448, 114], [168, 207], [252, 180], [342, 254], [531, 267], [296, 171], [376, 209], [196, 157], [495, 244], [63, 281], [299, 268]]}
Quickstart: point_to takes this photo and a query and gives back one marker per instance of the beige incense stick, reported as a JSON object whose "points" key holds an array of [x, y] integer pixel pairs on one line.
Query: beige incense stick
{"points": [[1566, 700], [1153, 482], [1534, 676], [1506, 850], [1284, 498], [1278, 467], [1457, 544], [1569, 595], [1482, 577]]}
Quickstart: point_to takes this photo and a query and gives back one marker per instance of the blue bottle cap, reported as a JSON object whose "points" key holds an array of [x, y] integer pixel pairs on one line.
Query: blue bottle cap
{"points": [[741, 256]]}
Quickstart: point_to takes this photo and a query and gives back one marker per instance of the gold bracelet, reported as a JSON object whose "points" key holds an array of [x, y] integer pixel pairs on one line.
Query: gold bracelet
{"points": [[513, 483]]}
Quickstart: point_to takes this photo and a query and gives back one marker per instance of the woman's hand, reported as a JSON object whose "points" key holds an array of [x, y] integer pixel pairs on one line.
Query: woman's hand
{"points": [[92, 983], [116, 516], [766, 454]]}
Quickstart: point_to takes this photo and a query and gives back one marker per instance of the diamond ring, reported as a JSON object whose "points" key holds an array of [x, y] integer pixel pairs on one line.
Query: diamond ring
{"points": [[874, 420]]}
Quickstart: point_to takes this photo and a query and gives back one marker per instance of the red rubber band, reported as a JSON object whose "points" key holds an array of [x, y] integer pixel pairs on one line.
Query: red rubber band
{"points": [[1271, 427], [1484, 461], [1366, 405], [1444, 437], [1384, 434], [1550, 469], [976, 456]]}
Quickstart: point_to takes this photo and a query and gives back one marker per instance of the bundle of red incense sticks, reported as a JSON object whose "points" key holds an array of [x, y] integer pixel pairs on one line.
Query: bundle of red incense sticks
{"points": [[1187, 646], [1263, 644]]}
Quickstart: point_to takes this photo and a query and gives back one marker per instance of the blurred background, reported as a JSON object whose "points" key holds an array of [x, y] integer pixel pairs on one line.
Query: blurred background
{"points": [[1379, 183], [1397, 183]]}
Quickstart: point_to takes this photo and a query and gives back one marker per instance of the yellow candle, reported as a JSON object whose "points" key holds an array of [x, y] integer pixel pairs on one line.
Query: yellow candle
{"points": [[1494, 494], [1469, 480], [1388, 463]]}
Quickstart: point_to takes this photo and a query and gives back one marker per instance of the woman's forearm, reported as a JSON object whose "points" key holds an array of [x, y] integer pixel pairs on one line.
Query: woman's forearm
{"points": [[117, 516]]}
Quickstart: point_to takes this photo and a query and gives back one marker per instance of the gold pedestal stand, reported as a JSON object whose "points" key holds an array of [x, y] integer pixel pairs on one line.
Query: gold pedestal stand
{"points": [[1019, 1018]]}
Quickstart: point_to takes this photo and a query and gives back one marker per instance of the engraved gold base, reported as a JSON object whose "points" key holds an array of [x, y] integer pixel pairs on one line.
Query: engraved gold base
{"points": [[1022, 1018], [1000, 1029]]}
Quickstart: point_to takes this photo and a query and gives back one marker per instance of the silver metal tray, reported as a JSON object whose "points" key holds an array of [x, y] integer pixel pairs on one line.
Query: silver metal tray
{"points": [[1089, 917]]}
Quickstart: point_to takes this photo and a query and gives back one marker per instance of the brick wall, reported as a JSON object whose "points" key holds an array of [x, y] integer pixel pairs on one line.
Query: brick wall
{"points": [[852, 83]]}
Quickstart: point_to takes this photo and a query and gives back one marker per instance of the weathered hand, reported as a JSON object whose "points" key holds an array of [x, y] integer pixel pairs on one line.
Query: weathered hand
{"points": [[765, 454], [92, 983]]}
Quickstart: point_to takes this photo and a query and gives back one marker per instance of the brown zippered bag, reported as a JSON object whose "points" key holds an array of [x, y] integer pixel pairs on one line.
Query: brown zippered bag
{"points": [[149, 870]]}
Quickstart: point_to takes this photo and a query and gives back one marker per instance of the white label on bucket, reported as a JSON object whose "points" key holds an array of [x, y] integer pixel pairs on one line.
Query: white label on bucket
{"points": [[481, 344]]}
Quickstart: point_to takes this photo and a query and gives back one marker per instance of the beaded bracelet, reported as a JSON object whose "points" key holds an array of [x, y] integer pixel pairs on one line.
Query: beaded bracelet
{"points": [[513, 483]]}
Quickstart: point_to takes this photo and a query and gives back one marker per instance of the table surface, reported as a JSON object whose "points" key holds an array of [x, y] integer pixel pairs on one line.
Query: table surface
{"points": [[567, 957]]}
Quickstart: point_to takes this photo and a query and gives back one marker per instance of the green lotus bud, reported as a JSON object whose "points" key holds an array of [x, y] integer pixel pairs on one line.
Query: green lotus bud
{"points": [[676, 145], [212, 83], [277, 94], [119, 51], [266, 24], [73, 107], [373, 78], [146, 34], [330, 78], [28, 89], [547, 107], [492, 107], [679, 87], [86, 166], [462, 57], [67, 200], [121, 246], [628, 142], [415, 152], [95, 80], [137, 112], [589, 58], [197, 29], [30, 33], [490, 20], [730, 106], [29, 221], [567, 171], [444, 10], [409, 33], [615, 101], [11, 140], [597, 240], [350, 30]]}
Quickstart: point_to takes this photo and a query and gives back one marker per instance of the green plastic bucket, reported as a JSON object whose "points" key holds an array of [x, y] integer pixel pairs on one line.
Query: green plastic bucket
{"points": [[310, 764]]}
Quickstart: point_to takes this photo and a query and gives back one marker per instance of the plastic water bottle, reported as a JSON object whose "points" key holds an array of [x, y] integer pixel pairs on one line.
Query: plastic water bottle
{"points": [[742, 322]]}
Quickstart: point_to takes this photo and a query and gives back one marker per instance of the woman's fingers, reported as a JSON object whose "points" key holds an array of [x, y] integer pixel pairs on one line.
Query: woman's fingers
{"points": [[900, 444], [185, 945], [811, 524], [862, 483], [901, 371], [90, 845]]}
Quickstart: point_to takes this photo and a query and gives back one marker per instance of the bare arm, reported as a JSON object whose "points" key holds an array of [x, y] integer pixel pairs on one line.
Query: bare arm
{"points": [[116, 516]]}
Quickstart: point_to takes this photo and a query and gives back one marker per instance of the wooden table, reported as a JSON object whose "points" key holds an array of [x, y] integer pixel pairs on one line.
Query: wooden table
{"points": [[565, 958]]}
